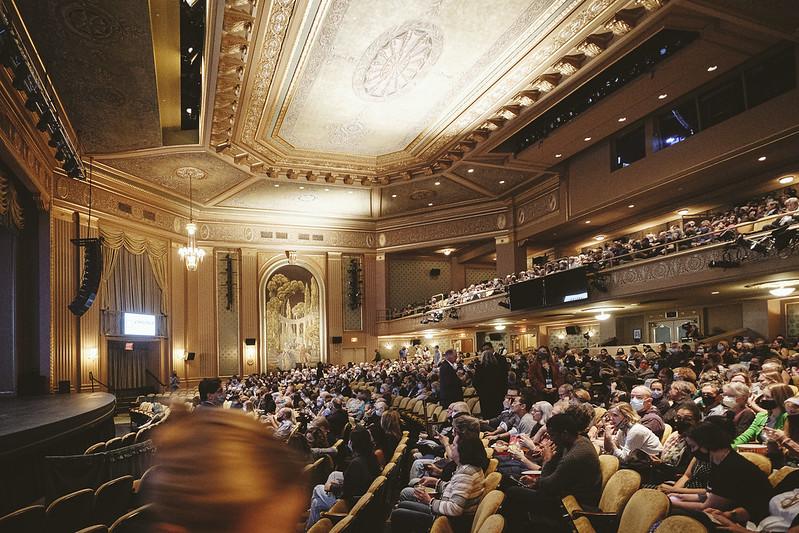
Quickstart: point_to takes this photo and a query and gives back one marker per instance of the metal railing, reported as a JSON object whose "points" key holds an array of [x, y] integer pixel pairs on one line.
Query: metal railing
{"points": [[94, 380]]}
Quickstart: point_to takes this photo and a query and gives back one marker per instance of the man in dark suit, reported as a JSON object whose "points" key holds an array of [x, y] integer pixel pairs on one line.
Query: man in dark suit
{"points": [[451, 388]]}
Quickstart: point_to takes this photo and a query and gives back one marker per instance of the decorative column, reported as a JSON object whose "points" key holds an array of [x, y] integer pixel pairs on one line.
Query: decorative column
{"points": [[510, 257], [335, 310]]}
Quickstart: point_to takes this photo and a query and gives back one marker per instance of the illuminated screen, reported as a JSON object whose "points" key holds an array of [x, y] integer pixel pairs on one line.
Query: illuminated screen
{"points": [[136, 324]]}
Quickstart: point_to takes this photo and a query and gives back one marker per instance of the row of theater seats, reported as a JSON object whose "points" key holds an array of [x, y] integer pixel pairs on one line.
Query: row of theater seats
{"points": [[117, 506], [143, 434]]}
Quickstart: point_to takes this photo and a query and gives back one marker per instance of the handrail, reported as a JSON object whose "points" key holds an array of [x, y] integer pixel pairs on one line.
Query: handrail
{"points": [[154, 377], [706, 239], [93, 379]]}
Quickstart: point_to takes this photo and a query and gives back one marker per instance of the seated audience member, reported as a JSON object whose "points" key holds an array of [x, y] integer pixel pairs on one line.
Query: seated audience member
{"points": [[525, 424], [570, 466], [507, 416], [641, 402], [735, 483], [261, 491], [711, 400], [736, 396], [317, 441], [390, 422], [675, 458], [337, 419], [211, 393], [282, 423], [626, 438], [785, 441], [352, 483], [659, 398], [679, 392], [417, 509]]}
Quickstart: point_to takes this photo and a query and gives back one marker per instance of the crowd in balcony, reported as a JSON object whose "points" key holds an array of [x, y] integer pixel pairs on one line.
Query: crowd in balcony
{"points": [[697, 231]]}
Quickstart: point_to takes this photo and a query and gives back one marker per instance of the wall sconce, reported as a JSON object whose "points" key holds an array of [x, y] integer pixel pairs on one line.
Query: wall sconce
{"points": [[561, 336], [250, 351], [178, 354], [91, 355], [388, 346], [353, 339]]}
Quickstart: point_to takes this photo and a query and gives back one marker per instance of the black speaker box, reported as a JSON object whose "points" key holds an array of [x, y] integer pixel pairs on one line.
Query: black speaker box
{"points": [[336, 340], [63, 387], [416, 342], [435, 272], [572, 330], [190, 356], [92, 269]]}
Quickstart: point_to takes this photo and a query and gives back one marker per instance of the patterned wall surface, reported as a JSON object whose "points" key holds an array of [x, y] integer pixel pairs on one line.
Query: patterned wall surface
{"points": [[227, 313], [477, 275], [353, 318], [558, 337], [792, 320], [410, 280]]}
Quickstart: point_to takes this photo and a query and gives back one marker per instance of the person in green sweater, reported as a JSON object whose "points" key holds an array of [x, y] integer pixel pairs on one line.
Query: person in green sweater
{"points": [[769, 411]]}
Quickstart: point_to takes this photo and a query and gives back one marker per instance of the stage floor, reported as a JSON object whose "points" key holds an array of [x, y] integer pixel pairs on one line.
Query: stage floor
{"points": [[35, 420]]}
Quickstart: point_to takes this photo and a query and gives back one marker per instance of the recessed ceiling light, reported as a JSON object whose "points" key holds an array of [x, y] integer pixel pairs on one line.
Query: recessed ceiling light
{"points": [[327, 189], [761, 158], [430, 204], [470, 170], [393, 195], [622, 119], [599, 238], [558, 156], [302, 187], [587, 221], [499, 327], [587, 139], [785, 180], [782, 291], [437, 183], [683, 212], [711, 68], [349, 192], [277, 185], [662, 96], [501, 182], [714, 292], [631, 206]]}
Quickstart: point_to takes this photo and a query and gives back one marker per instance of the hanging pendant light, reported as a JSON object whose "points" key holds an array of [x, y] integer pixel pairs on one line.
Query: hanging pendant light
{"points": [[190, 254]]}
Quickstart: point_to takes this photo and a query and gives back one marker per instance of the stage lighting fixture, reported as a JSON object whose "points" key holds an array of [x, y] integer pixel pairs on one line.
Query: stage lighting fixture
{"points": [[45, 121]]}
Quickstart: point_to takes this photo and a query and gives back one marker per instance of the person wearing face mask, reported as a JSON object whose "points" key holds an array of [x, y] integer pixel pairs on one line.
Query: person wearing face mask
{"points": [[711, 401], [735, 483], [659, 399], [736, 396], [641, 402], [675, 459], [787, 438], [545, 375], [772, 402]]}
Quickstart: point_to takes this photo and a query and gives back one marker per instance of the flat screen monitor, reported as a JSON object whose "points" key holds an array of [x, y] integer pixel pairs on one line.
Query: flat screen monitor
{"points": [[140, 325], [527, 294], [565, 287]]}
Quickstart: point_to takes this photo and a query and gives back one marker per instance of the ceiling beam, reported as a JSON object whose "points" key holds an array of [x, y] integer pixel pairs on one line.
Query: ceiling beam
{"points": [[468, 184], [476, 251]]}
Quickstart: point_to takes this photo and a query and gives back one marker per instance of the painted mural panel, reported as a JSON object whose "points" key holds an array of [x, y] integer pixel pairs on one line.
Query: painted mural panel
{"points": [[292, 317]]}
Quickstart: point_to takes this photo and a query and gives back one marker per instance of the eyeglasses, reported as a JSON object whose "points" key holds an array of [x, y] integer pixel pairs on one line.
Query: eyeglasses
{"points": [[790, 501]]}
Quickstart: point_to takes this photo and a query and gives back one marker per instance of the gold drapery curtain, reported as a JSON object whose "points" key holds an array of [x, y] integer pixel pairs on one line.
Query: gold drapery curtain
{"points": [[131, 277], [10, 210]]}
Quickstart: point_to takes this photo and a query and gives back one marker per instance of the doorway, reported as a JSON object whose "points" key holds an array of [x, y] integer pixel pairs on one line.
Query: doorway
{"points": [[133, 365], [666, 331]]}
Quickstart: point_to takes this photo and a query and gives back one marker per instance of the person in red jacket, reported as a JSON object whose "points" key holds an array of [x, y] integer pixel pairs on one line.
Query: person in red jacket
{"points": [[545, 375]]}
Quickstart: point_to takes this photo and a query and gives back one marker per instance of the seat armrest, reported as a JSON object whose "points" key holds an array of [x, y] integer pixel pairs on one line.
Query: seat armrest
{"points": [[334, 517]]}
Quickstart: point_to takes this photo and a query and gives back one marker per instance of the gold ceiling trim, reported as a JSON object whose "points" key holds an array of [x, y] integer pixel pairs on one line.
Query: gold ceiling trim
{"points": [[562, 54]]}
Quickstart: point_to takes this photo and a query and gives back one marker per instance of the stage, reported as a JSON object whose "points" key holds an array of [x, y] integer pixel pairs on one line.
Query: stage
{"points": [[37, 426]]}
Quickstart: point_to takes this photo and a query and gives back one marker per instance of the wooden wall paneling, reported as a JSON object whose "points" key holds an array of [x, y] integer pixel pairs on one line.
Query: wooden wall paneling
{"points": [[335, 294], [64, 285], [206, 314], [369, 304], [90, 338]]}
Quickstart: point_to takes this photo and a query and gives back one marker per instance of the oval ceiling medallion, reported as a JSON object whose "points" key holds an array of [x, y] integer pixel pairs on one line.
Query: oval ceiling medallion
{"points": [[397, 59]]}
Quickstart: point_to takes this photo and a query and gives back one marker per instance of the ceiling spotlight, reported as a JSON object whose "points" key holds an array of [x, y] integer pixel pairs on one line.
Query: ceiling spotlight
{"points": [[587, 221], [499, 327], [782, 291], [501, 182], [393, 195], [326, 189], [711, 68], [683, 212], [631, 206], [437, 183], [602, 316], [662, 96], [470, 170], [587, 139], [761, 158], [277, 185], [622, 119], [349, 192], [188, 110], [447, 251], [558, 156], [714, 292], [301, 187], [599, 238], [430, 204], [190, 50], [785, 180]]}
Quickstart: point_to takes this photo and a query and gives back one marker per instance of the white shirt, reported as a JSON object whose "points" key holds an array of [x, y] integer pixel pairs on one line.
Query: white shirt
{"points": [[638, 437]]}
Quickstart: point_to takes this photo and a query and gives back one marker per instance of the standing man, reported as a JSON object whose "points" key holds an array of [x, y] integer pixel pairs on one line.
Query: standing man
{"points": [[451, 388], [378, 357], [436, 356], [403, 354]]}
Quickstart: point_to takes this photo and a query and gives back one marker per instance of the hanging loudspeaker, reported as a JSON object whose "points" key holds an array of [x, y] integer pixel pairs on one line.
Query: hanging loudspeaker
{"points": [[92, 269]]}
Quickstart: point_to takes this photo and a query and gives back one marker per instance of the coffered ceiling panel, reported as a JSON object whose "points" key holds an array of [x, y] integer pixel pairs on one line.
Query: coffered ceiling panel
{"points": [[496, 180], [100, 58], [210, 175], [303, 198], [418, 194]]}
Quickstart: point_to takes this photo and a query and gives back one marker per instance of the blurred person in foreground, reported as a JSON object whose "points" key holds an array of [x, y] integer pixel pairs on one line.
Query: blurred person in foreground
{"points": [[217, 472]]}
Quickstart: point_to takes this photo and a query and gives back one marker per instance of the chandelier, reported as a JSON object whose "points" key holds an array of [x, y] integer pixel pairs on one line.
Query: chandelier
{"points": [[190, 254]]}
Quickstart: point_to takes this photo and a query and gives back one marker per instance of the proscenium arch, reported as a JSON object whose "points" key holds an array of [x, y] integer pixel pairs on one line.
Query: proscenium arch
{"points": [[266, 272]]}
